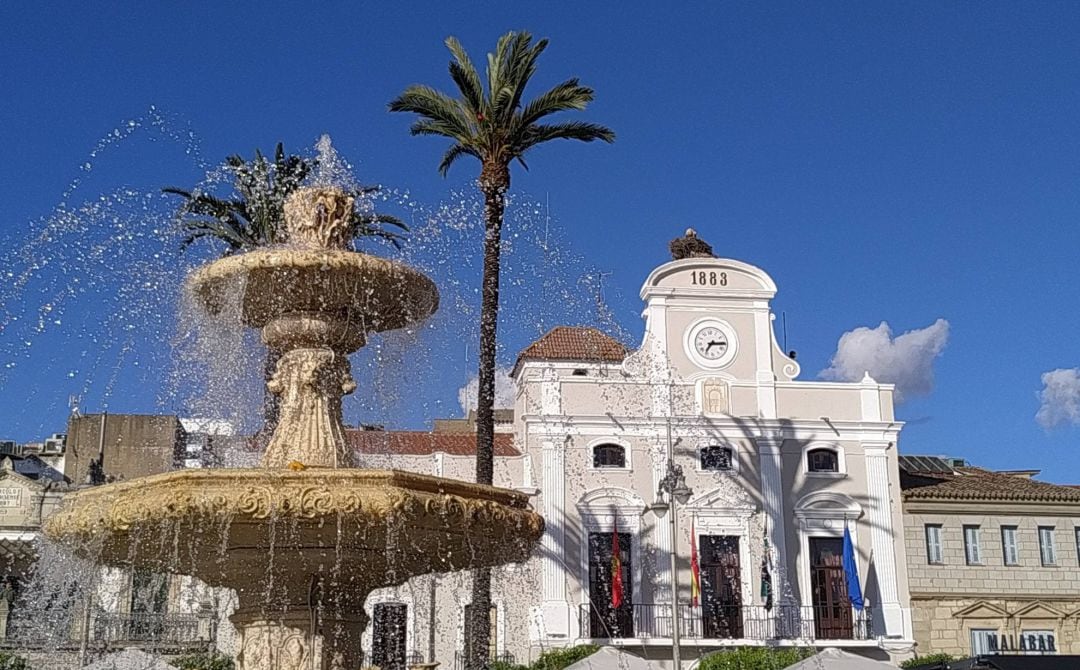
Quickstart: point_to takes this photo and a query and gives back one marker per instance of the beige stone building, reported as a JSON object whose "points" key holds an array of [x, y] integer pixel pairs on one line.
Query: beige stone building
{"points": [[992, 559], [779, 468]]}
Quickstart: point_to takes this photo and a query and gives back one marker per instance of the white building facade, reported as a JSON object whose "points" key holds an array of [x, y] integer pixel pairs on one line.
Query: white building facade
{"points": [[779, 468]]}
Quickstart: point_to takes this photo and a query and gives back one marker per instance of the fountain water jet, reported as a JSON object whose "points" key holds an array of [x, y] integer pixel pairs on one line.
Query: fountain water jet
{"points": [[307, 536]]}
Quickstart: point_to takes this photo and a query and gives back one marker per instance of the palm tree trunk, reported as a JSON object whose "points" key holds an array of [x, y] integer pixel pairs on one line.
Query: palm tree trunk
{"points": [[478, 642], [494, 180], [494, 205]]}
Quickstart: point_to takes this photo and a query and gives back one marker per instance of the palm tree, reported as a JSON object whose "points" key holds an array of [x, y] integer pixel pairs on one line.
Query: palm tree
{"points": [[490, 123], [255, 217]]}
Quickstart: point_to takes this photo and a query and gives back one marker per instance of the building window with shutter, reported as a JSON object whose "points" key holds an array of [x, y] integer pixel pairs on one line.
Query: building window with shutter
{"points": [[972, 550], [388, 636], [822, 460], [1077, 531], [984, 641], [493, 632], [716, 458], [1010, 551], [933, 544], [1046, 545], [609, 456], [1037, 642]]}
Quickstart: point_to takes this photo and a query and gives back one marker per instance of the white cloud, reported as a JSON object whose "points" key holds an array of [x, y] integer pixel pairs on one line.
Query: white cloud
{"points": [[1059, 400], [504, 391], [906, 360]]}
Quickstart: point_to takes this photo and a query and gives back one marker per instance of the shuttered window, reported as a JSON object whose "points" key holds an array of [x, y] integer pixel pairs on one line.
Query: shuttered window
{"points": [[933, 544], [1037, 642], [1010, 552], [972, 550], [983, 641], [1046, 545]]}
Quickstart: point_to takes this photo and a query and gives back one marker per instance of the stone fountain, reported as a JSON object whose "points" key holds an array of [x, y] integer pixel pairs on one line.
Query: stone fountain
{"points": [[304, 538]]}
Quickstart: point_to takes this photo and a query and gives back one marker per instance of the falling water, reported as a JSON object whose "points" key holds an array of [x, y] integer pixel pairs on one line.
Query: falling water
{"points": [[102, 281]]}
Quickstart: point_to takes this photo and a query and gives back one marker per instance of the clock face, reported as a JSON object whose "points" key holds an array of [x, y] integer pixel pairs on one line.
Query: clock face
{"points": [[711, 343]]}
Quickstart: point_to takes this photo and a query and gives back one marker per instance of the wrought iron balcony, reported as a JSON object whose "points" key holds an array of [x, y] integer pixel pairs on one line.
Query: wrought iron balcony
{"points": [[719, 622], [504, 658]]}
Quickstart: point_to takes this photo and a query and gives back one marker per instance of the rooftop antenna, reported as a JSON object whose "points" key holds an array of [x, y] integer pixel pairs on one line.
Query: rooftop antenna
{"points": [[73, 404], [783, 318]]}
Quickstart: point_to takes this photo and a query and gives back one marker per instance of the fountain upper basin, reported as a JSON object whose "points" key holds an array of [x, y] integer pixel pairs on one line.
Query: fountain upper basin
{"points": [[372, 294]]}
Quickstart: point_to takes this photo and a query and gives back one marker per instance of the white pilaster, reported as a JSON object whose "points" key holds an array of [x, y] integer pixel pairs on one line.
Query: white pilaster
{"points": [[869, 399], [773, 501], [882, 538], [555, 610], [765, 377], [662, 533], [550, 396]]}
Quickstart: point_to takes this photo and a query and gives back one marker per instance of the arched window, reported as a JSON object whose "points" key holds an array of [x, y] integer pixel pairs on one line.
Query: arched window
{"points": [[715, 457], [822, 460], [608, 456]]}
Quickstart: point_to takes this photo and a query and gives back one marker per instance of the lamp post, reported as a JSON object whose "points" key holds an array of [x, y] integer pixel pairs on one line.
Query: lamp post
{"points": [[678, 493]]}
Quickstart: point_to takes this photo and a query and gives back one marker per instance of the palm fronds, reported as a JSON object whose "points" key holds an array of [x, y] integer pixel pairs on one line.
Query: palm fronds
{"points": [[255, 216], [487, 119]]}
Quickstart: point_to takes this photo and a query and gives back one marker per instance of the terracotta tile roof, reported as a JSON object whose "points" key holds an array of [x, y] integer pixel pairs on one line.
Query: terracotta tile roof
{"points": [[971, 483], [574, 343], [422, 443]]}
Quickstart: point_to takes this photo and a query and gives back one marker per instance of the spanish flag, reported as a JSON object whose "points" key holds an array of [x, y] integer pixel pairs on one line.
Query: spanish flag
{"points": [[616, 570], [695, 571]]}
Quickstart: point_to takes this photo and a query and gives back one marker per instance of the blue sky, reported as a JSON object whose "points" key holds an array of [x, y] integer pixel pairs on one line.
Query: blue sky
{"points": [[884, 162]]}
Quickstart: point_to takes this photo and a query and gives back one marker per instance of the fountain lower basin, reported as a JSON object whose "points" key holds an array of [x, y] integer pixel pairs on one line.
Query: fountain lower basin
{"points": [[294, 543]]}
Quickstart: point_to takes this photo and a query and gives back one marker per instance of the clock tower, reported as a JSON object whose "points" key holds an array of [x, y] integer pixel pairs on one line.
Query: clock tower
{"points": [[710, 318]]}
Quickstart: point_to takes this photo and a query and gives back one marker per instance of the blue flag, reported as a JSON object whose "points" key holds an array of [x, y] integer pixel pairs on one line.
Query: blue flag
{"points": [[851, 574]]}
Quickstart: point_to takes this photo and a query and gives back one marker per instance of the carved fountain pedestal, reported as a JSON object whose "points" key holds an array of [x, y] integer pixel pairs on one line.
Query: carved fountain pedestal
{"points": [[306, 537]]}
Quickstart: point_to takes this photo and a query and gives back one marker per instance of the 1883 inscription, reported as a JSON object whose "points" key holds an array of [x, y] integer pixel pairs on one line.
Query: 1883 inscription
{"points": [[708, 278]]}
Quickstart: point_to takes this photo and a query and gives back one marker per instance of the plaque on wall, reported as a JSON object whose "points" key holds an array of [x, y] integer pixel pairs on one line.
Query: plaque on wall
{"points": [[715, 397]]}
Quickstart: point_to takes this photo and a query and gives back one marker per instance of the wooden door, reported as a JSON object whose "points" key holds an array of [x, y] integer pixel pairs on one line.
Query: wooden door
{"points": [[606, 621], [721, 587], [832, 608], [388, 636]]}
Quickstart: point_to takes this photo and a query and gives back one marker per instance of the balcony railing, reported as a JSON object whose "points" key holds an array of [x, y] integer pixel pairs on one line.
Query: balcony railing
{"points": [[718, 622], [504, 658], [108, 631], [145, 627]]}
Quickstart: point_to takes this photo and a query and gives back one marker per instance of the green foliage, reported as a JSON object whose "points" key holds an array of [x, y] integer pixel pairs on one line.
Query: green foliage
{"points": [[204, 661], [255, 215], [488, 120], [9, 661], [755, 658], [928, 660], [553, 659], [557, 659]]}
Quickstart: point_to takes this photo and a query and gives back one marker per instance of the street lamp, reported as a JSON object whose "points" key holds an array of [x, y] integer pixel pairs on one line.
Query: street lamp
{"points": [[678, 493]]}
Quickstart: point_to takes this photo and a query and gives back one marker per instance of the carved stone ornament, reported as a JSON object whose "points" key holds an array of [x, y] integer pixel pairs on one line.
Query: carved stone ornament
{"points": [[319, 218], [715, 397]]}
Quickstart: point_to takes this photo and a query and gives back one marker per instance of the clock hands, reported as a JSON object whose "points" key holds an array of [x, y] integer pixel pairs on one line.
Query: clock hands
{"points": [[713, 343]]}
